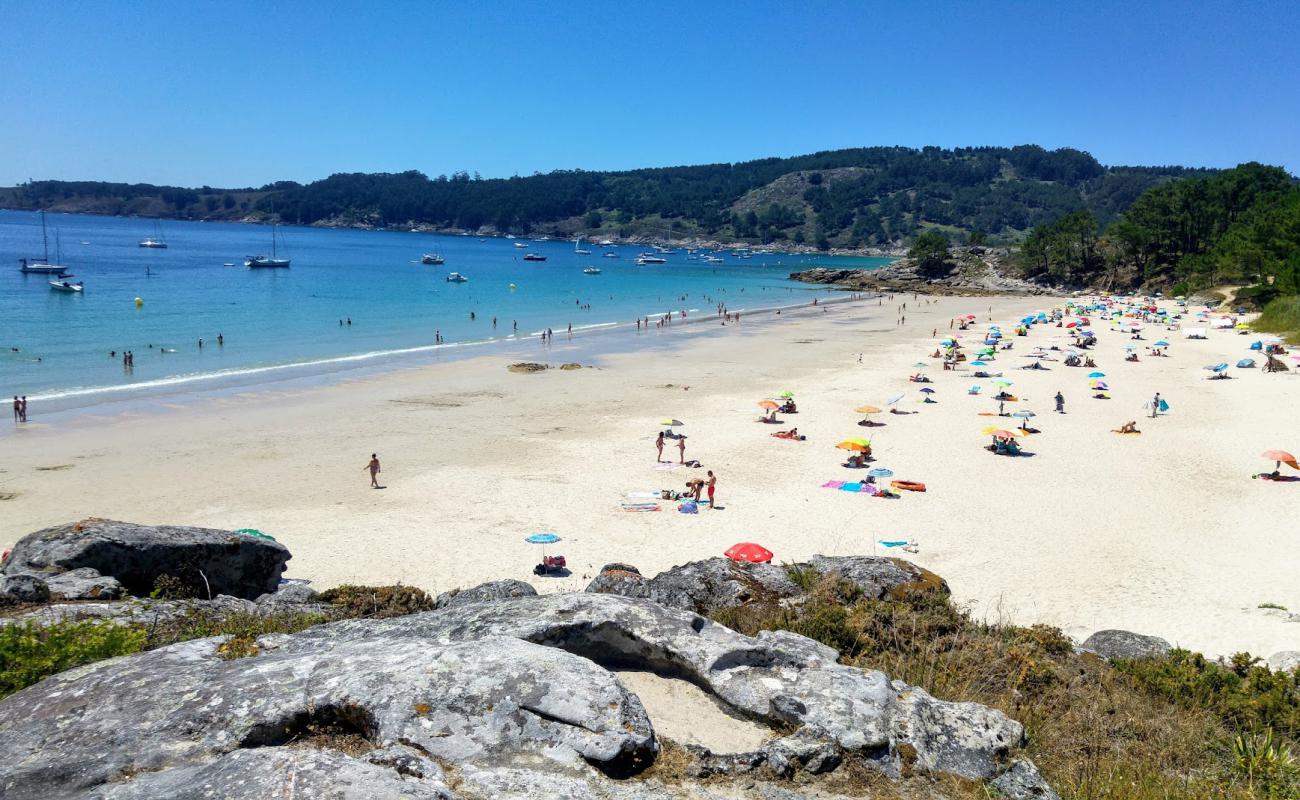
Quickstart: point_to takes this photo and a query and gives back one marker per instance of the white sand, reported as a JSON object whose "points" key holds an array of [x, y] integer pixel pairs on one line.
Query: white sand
{"points": [[681, 711], [1162, 533]]}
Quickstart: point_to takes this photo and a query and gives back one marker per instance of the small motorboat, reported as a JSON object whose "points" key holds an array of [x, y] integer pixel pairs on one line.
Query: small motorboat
{"points": [[61, 284], [534, 257], [646, 258], [591, 271], [432, 258], [611, 255], [521, 244], [456, 277]]}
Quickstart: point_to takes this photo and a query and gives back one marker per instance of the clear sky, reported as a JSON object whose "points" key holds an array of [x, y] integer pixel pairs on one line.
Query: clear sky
{"points": [[236, 93]]}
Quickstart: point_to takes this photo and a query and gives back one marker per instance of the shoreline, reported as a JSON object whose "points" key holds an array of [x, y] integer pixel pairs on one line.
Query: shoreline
{"points": [[350, 366], [1096, 531]]}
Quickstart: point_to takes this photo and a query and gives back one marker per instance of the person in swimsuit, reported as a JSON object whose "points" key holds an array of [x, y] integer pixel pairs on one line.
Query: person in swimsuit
{"points": [[373, 466], [681, 450], [712, 484], [659, 445]]}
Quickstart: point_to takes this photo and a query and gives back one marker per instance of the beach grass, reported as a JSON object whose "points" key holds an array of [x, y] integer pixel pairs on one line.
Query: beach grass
{"points": [[1281, 316]]}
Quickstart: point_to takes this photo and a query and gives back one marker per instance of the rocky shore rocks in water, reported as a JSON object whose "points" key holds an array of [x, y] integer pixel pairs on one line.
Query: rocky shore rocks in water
{"points": [[1125, 644], [506, 698], [74, 560], [972, 270], [713, 584]]}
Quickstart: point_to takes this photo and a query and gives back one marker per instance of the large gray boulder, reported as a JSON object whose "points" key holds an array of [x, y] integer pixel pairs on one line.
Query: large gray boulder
{"points": [[1284, 661], [205, 562], [708, 586], [1116, 643], [84, 584], [513, 693], [23, 589], [493, 590]]}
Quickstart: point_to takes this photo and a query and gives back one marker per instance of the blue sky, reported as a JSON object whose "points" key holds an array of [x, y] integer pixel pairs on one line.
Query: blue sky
{"points": [[234, 93]]}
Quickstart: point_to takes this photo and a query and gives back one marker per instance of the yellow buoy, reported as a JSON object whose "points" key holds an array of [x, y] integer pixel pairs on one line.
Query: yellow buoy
{"points": [[138, 302]]}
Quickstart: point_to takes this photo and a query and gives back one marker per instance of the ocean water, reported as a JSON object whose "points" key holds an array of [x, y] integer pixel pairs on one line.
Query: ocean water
{"points": [[55, 347]]}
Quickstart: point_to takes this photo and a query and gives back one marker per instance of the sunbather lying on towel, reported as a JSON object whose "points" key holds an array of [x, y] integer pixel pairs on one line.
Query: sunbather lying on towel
{"points": [[793, 433], [1128, 427]]}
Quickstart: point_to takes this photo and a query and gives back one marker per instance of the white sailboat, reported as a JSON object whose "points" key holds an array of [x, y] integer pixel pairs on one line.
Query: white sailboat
{"points": [[156, 241], [272, 261], [41, 265], [577, 247]]}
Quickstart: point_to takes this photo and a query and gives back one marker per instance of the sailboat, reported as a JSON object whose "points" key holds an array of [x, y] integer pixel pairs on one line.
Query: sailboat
{"points": [[577, 247], [41, 265], [268, 262], [156, 241]]}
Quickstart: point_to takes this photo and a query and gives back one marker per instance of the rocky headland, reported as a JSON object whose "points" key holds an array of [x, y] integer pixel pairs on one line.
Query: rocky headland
{"points": [[968, 271]]}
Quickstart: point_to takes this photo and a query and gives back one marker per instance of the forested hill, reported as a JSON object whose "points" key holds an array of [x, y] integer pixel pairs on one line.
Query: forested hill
{"points": [[862, 197]]}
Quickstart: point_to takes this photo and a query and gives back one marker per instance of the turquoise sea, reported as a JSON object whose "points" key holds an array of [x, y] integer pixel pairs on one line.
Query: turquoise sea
{"points": [[54, 347]]}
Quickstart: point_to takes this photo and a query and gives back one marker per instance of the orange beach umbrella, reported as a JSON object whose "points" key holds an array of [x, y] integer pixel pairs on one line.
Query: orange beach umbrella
{"points": [[867, 410], [769, 404], [1281, 457]]}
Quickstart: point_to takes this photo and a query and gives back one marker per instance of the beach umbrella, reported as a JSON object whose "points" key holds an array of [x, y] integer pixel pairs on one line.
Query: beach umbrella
{"points": [[786, 393], [1096, 374], [1281, 457], [1101, 385], [542, 539], [867, 410], [1002, 433], [770, 405], [881, 472], [920, 365], [1024, 416], [979, 363], [748, 551], [894, 399], [1162, 343], [927, 390], [669, 422], [1001, 383], [857, 444]]}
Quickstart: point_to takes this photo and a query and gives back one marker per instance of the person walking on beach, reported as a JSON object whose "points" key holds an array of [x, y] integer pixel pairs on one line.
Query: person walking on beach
{"points": [[1155, 405], [659, 443], [17, 407], [373, 466], [681, 447], [1060, 402], [22, 410], [711, 484]]}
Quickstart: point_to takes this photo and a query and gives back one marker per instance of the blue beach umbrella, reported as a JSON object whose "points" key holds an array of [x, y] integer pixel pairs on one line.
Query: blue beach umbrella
{"points": [[542, 538], [1162, 343], [927, 390], [881, 472], [1096, 374], [979, 364]]}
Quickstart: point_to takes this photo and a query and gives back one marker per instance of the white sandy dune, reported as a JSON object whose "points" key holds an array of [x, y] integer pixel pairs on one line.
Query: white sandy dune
{"points": [[1162, 533]]}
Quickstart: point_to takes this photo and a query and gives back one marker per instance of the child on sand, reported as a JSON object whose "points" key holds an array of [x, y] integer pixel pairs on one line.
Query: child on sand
{"points": [[373, 466]]}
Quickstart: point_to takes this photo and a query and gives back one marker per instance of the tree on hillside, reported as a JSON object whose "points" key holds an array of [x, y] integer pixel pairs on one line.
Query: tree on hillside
{"points": [[930, 252]]}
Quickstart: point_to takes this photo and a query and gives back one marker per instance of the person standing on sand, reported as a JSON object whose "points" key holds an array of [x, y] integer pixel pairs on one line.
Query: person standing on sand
{"points": [[17, 407], [373, 466], [681, 447], [712, 483], [1060, 402], [659, 445], [22, 410], [1155, 405]]}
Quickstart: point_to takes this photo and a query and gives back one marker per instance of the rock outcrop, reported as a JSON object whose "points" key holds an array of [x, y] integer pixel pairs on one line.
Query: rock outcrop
{"points": [[971, 271], [200, 561], [1125, 644], [511, 697], [707, 586], [493, 590]]}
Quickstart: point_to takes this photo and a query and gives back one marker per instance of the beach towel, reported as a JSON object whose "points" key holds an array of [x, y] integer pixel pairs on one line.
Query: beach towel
{"points": [[643, 495], [902, 543], [638, 509], [689, 508], [832, 484]]}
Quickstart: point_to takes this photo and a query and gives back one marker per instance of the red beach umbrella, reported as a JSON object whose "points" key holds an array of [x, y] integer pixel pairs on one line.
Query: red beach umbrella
{"points": [[748, 551]]}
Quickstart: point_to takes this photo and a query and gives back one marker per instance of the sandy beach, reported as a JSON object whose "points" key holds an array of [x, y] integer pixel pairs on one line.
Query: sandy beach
{"points": [[1160, 533]]}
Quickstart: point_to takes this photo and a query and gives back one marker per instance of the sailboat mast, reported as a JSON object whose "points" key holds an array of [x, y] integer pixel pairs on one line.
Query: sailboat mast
{"points": [[45, 239]]}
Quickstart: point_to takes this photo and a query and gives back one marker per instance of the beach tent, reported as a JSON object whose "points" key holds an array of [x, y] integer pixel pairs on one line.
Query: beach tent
{"points": [[749, 552]]}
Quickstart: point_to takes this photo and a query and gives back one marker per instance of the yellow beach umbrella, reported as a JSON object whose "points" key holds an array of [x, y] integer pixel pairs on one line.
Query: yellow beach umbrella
{"points": [[994, 430], [859, 444]]}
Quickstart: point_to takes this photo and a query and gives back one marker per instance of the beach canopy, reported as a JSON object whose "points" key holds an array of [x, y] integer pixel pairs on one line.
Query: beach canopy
{"points": [[670, 422], [867, 410], [750, 552], [770, 405], [927, 390], [857, 443], [542, 538], [1003, 434], [979, 364], [1281, 457], [1162, 343]]}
